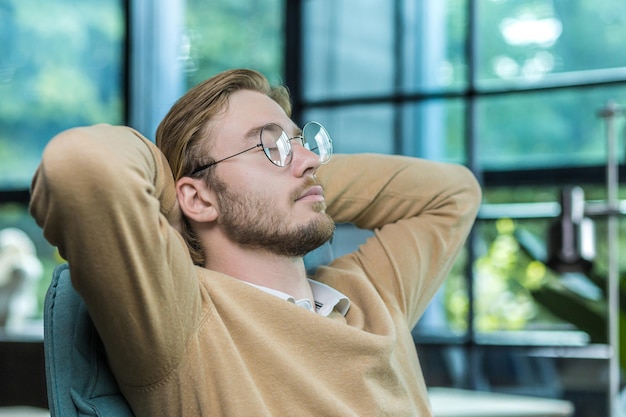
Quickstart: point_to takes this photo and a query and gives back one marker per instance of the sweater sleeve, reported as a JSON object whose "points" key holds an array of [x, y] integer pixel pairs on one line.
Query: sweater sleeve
{"points": [[103, 195], [421, 213]]}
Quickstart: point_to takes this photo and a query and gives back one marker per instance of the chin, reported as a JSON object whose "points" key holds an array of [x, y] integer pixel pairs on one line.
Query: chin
{"points": [[320, 207], [315, 234]]}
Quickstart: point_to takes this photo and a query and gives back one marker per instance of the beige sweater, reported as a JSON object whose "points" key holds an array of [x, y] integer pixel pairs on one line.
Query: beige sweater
{"points": [[186, 341]]}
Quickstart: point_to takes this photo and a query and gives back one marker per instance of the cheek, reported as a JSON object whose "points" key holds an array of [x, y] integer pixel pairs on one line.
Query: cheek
{"points": [[257, 179], [269, 188]]}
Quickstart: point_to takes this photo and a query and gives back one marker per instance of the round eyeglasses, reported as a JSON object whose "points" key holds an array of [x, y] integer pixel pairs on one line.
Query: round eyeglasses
{"points": [[277, 146]]}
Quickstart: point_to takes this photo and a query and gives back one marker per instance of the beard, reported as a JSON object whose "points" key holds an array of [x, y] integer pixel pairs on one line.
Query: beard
{"points": [[251, 221]]}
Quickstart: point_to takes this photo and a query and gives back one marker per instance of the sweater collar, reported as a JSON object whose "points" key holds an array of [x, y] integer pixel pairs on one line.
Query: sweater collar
{"points": [[326, 298]]}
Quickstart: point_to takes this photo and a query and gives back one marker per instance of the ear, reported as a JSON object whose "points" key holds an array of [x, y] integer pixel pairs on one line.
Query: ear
{"points": [[195, 200]]}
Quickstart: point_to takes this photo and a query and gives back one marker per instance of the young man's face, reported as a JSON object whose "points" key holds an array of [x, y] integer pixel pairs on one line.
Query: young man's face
{"points": [[261, 205]]}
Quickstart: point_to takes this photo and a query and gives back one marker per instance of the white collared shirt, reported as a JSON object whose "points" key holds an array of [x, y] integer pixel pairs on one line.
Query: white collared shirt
{"points": [[326, 298]]}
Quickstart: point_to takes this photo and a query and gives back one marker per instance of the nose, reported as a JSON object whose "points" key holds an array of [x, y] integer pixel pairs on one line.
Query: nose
{"points": [[303, 160]]}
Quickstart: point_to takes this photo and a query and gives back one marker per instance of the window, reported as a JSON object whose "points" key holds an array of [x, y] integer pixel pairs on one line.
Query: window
{"points": [[513, 89], [510, 88], [226, 34], [65, 64], [62, 65]]}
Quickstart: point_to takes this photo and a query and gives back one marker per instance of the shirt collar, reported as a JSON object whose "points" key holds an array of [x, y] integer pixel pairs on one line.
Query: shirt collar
{"points": [[326, 298]]}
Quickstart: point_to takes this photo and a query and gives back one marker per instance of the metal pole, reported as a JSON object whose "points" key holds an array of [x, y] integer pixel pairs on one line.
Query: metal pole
{"points": [[612, 233]]}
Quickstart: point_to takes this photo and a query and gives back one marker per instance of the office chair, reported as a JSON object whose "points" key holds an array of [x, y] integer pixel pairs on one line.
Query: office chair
{"points": [[79, 381]]}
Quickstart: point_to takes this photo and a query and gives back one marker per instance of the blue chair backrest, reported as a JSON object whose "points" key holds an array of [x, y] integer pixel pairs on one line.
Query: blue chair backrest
{"points": [[79, 381]]}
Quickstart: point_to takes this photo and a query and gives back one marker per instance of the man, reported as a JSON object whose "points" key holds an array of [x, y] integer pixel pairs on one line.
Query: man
{"points": [[192, 268]]}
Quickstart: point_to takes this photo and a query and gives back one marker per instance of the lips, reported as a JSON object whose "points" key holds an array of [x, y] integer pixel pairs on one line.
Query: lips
{"points": [[313, 191], [310, 192]]}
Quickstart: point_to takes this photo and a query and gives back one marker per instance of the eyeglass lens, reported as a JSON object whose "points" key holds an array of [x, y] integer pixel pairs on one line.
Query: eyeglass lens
{"points": [[278, 148], [317, 140]]}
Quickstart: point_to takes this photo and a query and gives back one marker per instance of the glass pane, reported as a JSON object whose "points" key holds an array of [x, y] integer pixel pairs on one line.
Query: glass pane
{"points": [[225, 34], [544, 129], [527, 41], [61, 66], [446, 315], [433, 44], [26, 264], [358, 129], [347, 48], [514, 287], [510, 283], [434, 129]]}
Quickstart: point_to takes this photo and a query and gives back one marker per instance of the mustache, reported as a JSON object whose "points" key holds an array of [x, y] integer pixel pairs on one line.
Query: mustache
{"points": [[308, 183]]}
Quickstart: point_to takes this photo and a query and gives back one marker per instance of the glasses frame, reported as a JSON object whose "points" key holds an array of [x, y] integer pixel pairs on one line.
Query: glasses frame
{"points": [[260, 145]]}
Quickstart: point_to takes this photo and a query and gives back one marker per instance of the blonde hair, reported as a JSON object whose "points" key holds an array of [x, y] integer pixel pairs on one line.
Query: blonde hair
{"points": [[184, 137]]}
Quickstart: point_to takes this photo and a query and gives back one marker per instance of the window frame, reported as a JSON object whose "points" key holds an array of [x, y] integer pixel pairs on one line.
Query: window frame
{"points": [[470, 94]]}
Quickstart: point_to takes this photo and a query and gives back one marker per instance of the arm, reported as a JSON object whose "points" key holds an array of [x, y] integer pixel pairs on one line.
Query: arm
{"points": [[104, 195], [421, 212]]}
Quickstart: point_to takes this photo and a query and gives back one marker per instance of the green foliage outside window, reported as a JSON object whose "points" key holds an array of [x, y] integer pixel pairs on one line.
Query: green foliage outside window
{"points": [[60, 66], [226, 34]]}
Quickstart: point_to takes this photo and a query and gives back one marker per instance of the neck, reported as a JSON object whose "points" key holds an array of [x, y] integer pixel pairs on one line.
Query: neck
{"points": [[260, 267]]}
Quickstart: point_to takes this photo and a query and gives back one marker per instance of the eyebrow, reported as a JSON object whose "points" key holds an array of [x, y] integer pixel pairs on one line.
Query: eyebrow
{"points": [[253, 133]]}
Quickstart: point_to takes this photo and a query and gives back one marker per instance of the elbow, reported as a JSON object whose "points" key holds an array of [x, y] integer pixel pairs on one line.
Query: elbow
{"points": [[474, 189], [466, 192]]}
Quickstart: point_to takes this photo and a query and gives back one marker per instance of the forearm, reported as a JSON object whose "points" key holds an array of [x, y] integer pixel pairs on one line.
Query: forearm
{"points": [[102, 194], [373, 190], [86, 170], [421, 212]]}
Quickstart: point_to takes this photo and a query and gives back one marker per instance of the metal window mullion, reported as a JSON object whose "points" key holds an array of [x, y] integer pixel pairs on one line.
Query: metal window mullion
{"points": [[156, 78]]}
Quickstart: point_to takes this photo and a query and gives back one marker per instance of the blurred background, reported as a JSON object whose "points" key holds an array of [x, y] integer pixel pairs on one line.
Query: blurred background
{"points": [[523, 92]]}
